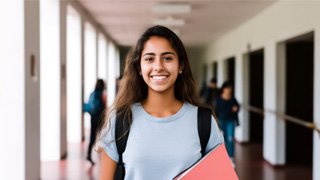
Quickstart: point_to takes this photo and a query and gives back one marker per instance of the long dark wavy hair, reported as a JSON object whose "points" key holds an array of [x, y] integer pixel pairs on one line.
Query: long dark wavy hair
{"points": [[132, 87]]}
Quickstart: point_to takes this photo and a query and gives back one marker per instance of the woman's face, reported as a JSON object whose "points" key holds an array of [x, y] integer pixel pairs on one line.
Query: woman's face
{"points": [[227, 90], [159, 65]]}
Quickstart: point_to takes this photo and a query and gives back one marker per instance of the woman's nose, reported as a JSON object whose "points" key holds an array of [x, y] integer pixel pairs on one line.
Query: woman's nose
{"points": [[158, 65]]}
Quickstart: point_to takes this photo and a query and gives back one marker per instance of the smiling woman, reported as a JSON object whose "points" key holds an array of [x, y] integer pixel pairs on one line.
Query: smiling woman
{"points": [[157, 102]]}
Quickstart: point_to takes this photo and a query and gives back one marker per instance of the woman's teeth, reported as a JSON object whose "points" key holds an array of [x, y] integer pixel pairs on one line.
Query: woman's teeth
{"points": [[158, 77]]}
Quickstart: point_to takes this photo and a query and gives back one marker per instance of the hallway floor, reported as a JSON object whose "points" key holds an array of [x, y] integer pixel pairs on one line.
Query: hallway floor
{"points": [[249, 166]]}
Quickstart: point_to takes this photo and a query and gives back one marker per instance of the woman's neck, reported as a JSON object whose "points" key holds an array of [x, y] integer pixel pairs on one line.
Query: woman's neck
{"points": [[161, 104]]}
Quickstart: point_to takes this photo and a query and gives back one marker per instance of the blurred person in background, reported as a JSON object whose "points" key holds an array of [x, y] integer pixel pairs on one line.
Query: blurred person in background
{"points": [[211, 93], [95, 107], [227, 109]]}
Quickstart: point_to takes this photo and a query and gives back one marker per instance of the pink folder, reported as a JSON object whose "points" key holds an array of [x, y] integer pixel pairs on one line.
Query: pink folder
{"points": [[216, 165]]}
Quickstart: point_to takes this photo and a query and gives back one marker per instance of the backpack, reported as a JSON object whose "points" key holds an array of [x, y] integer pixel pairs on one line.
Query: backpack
{"points": [[95, 104], [121, 136]]}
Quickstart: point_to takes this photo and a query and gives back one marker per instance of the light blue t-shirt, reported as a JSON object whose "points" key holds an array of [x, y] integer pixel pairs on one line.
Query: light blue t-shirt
{"points": [[160, 148]]}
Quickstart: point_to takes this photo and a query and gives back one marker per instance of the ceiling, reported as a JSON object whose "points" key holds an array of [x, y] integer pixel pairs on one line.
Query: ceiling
{"points": [[125, 20]]}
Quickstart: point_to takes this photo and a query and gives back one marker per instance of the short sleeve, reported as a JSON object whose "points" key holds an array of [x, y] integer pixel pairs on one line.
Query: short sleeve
{"points": [[107, 141], [216, 136]]}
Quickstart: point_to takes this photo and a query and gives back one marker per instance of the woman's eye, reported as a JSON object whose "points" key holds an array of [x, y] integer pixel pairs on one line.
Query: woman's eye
{"points": [[148, 59], [167, 58]]}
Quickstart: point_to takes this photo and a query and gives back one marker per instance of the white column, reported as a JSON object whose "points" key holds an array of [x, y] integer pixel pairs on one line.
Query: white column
{"points": [[117, 62], [50, 80], [111, 73], [274, 129], [221, 72], [242, 131], [90, 65], [316, 107], [53, 71], [102, 57], [12, 78], [19, 92], [74, 73]]}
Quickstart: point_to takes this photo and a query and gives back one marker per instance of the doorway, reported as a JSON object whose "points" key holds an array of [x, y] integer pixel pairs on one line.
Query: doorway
{"points": [[299, 98], [230, 71], [215, 70], [256, 81]]}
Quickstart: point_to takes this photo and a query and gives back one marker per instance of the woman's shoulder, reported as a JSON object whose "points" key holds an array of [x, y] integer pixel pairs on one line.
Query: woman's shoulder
{"points": [[189, 105]]}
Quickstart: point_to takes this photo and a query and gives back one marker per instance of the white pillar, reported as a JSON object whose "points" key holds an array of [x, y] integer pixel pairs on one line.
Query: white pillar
{"points": [[221, 72], [53, 71], [111, 73], [242, 131], [102, 57], [74, 73], [19, 92], [90, 65], [90, 60], [316, 106], [274, 129]]}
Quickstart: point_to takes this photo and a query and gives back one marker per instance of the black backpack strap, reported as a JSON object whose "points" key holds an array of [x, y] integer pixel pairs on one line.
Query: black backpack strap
{"points": [[204, 127], [121, 138]]}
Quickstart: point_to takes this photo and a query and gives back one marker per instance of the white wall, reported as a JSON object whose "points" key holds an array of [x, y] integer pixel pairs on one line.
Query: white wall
{"points": [[281, 21], [195, 55]]}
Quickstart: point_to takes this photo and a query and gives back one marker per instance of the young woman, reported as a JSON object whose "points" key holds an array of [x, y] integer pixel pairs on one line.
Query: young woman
{"points": [[157, 96]]}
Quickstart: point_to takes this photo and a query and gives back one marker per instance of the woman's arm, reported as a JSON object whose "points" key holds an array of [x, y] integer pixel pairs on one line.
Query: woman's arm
{"points": [[107, 167]]}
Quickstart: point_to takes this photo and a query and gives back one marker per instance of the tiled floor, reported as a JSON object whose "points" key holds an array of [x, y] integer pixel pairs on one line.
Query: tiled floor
{"points": [[249, 166], [75, 167]]}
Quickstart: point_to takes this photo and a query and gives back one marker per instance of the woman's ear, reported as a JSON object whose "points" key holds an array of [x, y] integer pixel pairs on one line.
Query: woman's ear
{"points": [[180, 69]]}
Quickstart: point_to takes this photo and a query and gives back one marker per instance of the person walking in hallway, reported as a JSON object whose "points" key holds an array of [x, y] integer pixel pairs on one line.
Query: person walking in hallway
{"points": [[95, 107], [227, 109], [211, 93], [157, 106]]}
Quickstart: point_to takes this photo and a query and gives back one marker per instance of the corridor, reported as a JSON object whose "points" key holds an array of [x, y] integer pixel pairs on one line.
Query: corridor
{"points": [[54, 51]]}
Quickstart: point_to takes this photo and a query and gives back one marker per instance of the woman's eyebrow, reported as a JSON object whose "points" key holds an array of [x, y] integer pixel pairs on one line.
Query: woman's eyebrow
{"points": [[162, 54], [147, 54], [165, 53]]}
